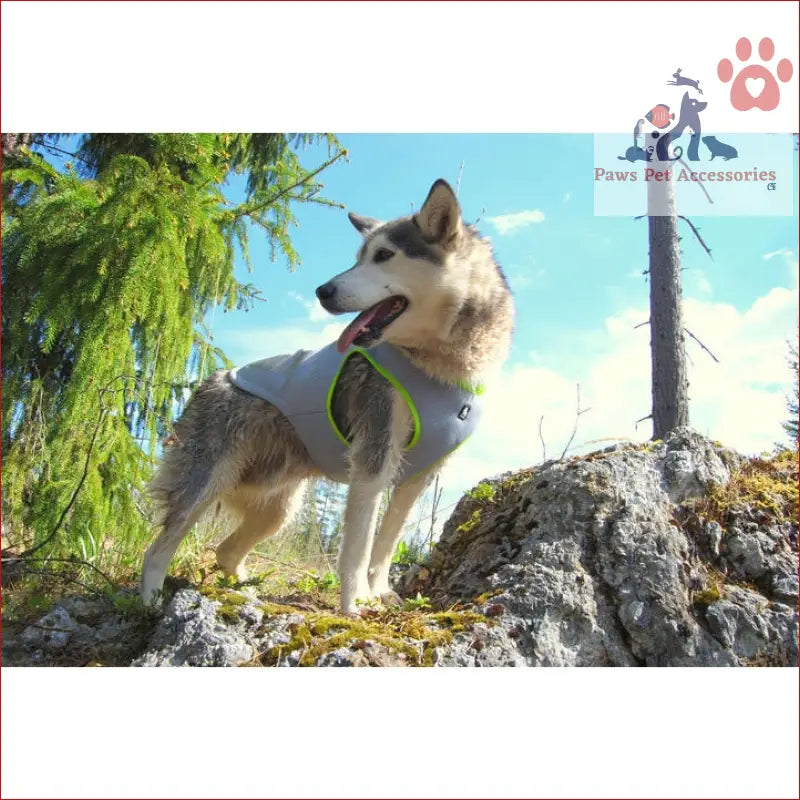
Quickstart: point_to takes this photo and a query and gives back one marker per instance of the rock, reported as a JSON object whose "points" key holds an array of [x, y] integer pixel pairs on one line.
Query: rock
{"points": [[484, 646], [593, 566], [79, 630], [674, 553], [190, 634], [51, 633]]}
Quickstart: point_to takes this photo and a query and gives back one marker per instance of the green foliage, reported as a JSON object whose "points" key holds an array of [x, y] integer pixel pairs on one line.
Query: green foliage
{"points": [[311, 582], [109, 271], [483, 492], [403, 554], [418, 603], [411, 551]]}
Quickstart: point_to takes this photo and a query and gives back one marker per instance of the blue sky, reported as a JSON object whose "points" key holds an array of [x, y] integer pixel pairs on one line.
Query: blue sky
{"points": [[570, 271], [578, 287], [579, 293]]}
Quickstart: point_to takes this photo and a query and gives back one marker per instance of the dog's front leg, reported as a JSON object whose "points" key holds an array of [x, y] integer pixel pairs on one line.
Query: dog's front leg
{"points": [[360, 515], [403, 498], [381, 432]]}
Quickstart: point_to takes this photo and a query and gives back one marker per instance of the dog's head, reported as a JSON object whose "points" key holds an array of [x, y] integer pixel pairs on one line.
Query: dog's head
{"points": [[406, 283]]}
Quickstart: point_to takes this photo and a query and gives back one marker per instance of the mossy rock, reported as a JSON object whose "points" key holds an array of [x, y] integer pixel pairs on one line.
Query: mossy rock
{"points": [[413, 636]]}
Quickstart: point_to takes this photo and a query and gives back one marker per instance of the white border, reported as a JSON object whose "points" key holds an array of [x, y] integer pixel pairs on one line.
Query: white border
{"points": [[379, 67], [625, 733], [253, 733]]}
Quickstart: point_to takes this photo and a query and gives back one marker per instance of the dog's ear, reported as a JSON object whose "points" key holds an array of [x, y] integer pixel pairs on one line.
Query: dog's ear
{"points": [[439, 219], [363, 224]]}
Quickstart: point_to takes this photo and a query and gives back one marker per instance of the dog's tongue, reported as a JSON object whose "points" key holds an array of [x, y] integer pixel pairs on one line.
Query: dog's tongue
{"points": [[361, 323]]}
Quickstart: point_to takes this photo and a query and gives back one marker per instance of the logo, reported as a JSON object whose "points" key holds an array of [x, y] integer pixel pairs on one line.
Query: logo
{"points": [[730, 174], [754, 85]]}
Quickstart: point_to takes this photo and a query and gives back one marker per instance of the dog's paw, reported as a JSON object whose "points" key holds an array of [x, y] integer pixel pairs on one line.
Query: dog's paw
{"points": [[239, 573], [369, 607], [151, 597]]}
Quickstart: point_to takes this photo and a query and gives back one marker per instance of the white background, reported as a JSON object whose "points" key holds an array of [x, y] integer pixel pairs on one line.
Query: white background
{"points": [[389, 66], [433, 733]]}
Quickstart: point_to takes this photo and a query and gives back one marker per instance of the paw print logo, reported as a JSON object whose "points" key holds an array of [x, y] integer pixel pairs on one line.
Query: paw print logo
{"points": [[755, 86]]}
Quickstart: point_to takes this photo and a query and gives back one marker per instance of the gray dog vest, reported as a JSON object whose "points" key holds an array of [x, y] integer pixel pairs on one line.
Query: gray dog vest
{"points": [[301, 385]]}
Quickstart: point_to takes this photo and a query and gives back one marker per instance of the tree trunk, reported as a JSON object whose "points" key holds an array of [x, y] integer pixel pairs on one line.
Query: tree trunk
{"points": [[668, 355]]}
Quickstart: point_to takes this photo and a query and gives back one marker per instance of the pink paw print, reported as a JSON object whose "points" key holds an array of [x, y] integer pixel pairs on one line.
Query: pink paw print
{"points": [[755, 86]]}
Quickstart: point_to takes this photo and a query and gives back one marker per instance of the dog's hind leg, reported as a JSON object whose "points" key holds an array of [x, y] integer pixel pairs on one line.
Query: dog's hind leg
{"points": [[403, 498], [260, 520], [160, 553], [184, 487]]}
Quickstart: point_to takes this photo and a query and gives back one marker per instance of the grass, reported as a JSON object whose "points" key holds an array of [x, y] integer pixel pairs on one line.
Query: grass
{"points": [[767, 485]]}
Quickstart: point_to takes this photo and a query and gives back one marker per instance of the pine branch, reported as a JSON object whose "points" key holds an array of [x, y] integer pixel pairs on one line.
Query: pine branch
{"points": [[248, 212]]}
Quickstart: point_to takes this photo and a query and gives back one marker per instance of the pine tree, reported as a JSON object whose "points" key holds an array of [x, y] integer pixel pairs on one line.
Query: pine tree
{"points": [[110, 268]]}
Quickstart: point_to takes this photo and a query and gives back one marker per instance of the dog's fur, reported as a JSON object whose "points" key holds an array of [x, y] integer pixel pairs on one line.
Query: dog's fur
{"points": [[238, 449]]}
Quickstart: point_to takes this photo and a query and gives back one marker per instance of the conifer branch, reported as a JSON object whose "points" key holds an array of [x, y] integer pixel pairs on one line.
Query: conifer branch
{"points": [[247, 212]]}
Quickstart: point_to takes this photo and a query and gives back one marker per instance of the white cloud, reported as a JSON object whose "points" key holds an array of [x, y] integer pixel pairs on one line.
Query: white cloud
{"points": [[567, 196], [697, 282], [252, 344], [509, 223], [784, 252], [316, 313], [740, 401]]}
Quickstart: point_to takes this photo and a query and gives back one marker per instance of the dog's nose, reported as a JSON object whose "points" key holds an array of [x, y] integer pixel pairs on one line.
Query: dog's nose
{"points": [[326, 291]]}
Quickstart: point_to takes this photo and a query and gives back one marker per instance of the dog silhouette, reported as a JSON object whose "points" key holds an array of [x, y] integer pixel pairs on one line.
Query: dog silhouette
{"points": [[718, 148], [689, 118]]}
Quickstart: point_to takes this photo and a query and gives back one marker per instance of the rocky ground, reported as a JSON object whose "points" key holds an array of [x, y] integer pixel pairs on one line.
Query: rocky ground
{"points": [[677, 553]]}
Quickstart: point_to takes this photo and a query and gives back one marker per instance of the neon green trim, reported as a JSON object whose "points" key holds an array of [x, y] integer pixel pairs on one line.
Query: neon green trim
{"points": [[329, 403], [478, 388], [389, 377]]}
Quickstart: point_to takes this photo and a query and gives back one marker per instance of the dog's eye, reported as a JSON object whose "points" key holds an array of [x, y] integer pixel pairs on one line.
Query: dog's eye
{"points": [[382, 254]]}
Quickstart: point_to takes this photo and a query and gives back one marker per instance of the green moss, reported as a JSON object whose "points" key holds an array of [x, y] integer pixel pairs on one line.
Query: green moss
{"points": [[472, 522], [768, 485], [452, 617], [710, 594], [412, 635], [482, 598], [272, 609], [230, 602]]}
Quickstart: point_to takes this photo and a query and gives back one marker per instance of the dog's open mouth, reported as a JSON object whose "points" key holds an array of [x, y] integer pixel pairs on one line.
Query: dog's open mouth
{"points": [[366, 328]]}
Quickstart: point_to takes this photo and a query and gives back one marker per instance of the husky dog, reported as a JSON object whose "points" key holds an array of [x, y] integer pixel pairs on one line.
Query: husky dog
{"points": [[429, 290]]}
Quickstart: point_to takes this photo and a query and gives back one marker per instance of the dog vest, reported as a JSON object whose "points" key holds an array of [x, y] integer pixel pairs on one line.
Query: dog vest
{"points": [[302, 384]]}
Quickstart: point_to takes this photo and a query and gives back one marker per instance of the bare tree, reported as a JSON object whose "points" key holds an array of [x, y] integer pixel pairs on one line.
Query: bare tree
{"points": [[670, 390]]}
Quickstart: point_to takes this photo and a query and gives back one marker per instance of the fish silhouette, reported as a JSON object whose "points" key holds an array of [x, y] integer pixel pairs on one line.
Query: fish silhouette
{"points": [[659, 115]]}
